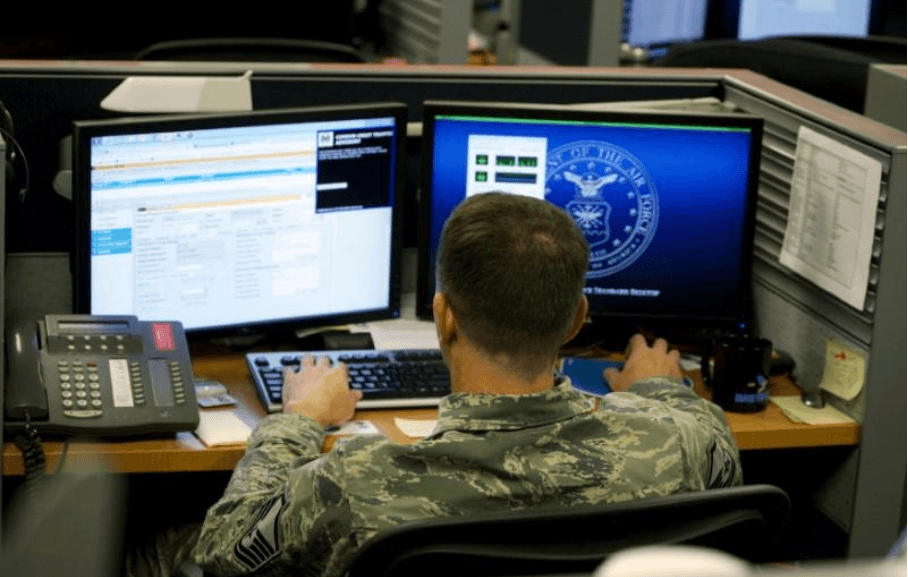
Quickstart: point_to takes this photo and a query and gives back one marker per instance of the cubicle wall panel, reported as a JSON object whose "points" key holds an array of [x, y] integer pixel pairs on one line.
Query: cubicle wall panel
{"points": [[774, 194], [37, 284], [273, 91], [865, 495], [786, 313], [880, 500], [43, 109], [2, 305]]}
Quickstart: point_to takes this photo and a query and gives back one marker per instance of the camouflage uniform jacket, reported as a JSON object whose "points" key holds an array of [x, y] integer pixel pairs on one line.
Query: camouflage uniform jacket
{"points": [[288, 509]]}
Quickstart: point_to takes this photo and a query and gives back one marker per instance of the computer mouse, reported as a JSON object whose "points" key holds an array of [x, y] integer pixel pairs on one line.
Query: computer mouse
{"points": [[813, 398]]}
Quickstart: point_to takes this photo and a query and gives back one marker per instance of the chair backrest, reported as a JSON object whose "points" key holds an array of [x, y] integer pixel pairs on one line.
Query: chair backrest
{"points": [[251, 50], [834, 70], [742, 521], [67, 524]]}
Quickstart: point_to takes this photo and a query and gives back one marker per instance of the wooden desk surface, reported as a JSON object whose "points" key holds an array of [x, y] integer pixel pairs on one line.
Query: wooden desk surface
{"points": [[767, 429]]}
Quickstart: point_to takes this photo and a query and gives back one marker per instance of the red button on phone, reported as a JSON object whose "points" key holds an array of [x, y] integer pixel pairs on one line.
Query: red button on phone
{"points": [[163, 336]]}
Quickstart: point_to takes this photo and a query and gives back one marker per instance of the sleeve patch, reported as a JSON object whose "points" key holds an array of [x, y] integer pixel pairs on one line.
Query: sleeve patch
{"points": [[261, 543], [722, 467]]}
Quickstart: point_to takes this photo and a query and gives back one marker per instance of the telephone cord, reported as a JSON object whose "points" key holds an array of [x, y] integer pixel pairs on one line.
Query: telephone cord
{"points": [[33, 458]]}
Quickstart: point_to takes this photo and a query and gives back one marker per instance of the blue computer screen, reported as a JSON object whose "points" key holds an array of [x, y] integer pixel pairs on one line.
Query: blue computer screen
{"points": [[665, 201]]}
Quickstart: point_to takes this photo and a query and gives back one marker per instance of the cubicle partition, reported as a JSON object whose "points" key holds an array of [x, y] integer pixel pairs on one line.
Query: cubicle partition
{"points": [[866, 494], [2, 302], [864, 490]]}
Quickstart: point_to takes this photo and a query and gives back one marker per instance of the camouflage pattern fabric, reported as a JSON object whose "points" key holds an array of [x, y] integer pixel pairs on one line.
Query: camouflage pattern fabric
{"points": [[288, 509]]}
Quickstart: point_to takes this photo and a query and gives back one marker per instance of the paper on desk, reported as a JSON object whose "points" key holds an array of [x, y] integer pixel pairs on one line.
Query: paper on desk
{"points": [[416, 427], [843, 373], [404, 334], [832, 216], [798, 412], [355, 428], [407, 332], [222, 428]]}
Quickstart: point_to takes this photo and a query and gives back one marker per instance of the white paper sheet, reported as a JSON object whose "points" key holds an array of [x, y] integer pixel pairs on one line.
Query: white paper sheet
{"points": [[354, 428], [416, 428], [831, 216], [407, 332], [798, 412], [222, 428]]}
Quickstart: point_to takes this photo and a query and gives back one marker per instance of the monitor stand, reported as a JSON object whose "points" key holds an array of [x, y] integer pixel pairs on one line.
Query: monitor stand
{"points": [[329, 339]]}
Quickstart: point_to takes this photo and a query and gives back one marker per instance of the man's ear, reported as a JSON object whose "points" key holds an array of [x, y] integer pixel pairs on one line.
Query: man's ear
{"points": [[445, 321], [583, 307]]}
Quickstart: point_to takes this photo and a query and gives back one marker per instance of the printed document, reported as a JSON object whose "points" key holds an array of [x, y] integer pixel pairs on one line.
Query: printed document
{"points": [[832, 216]]}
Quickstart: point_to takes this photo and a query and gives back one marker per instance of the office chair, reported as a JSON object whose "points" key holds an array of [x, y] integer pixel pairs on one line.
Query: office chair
{"points": [[250, 50], [743, 521], [71, 523], [834, 69]]}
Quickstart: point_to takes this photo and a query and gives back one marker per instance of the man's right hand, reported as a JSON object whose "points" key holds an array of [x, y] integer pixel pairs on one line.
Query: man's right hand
{"points": [[320, 391], [644, 361]]}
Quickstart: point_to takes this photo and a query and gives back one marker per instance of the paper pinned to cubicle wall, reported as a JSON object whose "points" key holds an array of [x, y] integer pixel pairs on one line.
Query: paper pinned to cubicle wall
{"points": [[832, 216]]}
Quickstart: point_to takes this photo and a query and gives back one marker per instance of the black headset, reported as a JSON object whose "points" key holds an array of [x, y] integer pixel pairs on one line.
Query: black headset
{"points": [[14, 154]]}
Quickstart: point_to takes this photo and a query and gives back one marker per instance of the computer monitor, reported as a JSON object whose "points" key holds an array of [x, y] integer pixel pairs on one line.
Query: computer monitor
{"points": [[654, 24], [666, 201], [753, 19], [762, 18], [241, 223]]}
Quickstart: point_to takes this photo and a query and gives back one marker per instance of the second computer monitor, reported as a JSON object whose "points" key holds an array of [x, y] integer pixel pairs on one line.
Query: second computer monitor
{"points": [[666, 200]]}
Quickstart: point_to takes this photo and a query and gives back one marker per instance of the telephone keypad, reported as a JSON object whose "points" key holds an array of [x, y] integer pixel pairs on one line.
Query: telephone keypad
{"points": [[74, 375], [80, 394]]}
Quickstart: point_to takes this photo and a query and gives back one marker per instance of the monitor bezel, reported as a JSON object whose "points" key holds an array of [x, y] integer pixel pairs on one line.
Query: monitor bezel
{"points": [[84, 131], [738, 321]]}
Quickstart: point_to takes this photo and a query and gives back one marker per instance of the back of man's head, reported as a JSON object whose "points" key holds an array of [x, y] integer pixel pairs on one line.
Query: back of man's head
{"points": [[513, 269]]}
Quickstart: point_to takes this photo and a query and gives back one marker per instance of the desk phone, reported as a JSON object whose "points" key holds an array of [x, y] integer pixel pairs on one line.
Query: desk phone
{"points": [[99, 375]]}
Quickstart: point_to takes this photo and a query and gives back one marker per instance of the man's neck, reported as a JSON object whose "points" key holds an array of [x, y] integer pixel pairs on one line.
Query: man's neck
{"points": [[473, 371]]}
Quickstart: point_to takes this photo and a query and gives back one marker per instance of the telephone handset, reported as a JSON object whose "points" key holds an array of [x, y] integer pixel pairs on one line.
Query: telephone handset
{"points": [[99, 375]]}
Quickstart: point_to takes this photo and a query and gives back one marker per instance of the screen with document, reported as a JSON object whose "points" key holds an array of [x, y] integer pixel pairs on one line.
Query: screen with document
{"points": [[241, 222]]}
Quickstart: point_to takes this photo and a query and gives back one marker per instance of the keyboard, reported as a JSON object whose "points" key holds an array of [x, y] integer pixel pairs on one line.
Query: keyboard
{"points": [[387, 378]]}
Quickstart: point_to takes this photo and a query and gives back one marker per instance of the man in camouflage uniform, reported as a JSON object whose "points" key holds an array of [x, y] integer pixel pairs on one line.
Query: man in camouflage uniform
{"points": [[513, 435]]}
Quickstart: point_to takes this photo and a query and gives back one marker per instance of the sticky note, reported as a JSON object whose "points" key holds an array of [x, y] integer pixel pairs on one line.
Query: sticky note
{"points": [[844, 370]]}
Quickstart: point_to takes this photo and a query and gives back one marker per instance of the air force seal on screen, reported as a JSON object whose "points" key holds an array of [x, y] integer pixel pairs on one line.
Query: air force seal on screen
{"points": [[612, 199]]}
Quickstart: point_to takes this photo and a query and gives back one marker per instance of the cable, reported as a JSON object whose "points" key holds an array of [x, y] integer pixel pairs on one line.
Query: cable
{"points": [[7, 135], [33, 458]]}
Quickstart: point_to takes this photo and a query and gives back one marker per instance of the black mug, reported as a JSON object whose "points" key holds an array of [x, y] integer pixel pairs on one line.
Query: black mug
{"points": [[739, 374]]}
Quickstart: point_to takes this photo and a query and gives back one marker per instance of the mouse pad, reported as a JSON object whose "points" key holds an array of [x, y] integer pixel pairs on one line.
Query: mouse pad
{"points": [[586, 374]]}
